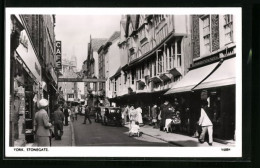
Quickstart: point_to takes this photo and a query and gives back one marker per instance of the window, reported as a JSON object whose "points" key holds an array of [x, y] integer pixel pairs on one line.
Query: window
{"points": [[115, 85], [178, 53], [125, 78], [133, 76], [160, 62], [145, 48], [142, 75], [70, 95], [162, 33], [228, 27], [206, 34], [132, 54]]}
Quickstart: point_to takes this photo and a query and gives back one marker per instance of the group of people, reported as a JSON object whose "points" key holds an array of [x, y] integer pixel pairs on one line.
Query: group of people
{"points": [[60, 117], [168, 117], [42, 123]]}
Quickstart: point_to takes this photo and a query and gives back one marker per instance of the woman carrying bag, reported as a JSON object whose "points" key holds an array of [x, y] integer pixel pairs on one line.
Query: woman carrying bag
{"points": [[42, 125]]}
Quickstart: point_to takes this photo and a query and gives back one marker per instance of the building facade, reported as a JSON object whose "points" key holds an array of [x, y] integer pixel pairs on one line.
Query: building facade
{"points": [[109, 54], [91, 68], [33, 72], [155, 52], [213, 71], [69, 90]]}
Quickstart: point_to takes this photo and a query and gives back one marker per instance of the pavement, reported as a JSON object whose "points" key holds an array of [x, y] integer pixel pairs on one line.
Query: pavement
{"points": [[178, 139], [66, 140]]}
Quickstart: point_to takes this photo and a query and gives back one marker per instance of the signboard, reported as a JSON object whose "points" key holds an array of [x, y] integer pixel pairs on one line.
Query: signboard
{"points": [[54, 77], [58, 55], [26, 55]]}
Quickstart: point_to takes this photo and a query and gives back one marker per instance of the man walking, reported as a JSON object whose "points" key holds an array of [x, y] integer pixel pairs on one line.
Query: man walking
{"points": [[58, 117], [66, 114], [87, 113]]}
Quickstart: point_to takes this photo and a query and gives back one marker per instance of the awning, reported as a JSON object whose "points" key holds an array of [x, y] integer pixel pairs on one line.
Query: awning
{"points": [[223, 76], [192, 78]]}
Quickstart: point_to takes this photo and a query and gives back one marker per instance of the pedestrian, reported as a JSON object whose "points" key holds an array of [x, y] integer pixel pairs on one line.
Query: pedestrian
{"points": [[205, 122], [135, 129], [125, 114], [98, 112], [58, 122], [66, 114], [132, 115], [87, 113], [42, 125], [72, 114], [168, 119], [163, 109], [139, 115], [69, 111], [155, 116], [76, 111]]}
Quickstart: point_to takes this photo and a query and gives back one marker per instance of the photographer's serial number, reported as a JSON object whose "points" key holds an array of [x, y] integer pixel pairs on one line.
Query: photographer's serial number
{"points": [[225, 149]]}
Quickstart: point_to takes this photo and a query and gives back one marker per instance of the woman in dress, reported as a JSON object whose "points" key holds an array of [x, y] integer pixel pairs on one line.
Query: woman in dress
{"points": [[42, 125]]}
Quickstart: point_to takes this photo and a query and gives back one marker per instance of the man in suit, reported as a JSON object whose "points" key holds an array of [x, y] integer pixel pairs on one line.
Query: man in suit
{"points": [[66, 114], [42, 125], [58, 117]]}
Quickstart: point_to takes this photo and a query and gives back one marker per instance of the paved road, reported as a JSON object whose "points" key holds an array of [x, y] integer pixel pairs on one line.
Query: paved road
{"points": [[96, 134]]}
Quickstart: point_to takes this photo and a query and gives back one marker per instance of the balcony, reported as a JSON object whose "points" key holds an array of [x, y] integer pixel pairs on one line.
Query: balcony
{"points": [[166, 76], [156, 79]]}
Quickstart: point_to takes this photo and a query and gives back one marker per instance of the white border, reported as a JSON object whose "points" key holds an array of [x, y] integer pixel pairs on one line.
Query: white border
{"points": [[131, 151]]}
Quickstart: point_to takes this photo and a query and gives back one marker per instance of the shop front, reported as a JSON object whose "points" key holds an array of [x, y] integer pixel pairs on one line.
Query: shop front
{"points": [[218, 80], [27, 79]]}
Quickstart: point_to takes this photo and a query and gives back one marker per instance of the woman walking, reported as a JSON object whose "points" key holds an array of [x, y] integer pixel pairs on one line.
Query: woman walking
{"points": [[42, 125]]}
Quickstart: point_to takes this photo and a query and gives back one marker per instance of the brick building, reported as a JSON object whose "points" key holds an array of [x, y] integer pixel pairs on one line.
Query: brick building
{"points": [[33, 74], [213, 70]]}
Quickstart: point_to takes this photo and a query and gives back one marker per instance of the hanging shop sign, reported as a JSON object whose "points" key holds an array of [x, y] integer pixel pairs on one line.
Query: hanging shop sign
{"points": [[27, 55], [58, 55], [54, 77]]}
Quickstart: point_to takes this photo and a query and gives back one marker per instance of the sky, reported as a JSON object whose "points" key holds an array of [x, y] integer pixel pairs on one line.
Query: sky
{"points": [[74, 32]]}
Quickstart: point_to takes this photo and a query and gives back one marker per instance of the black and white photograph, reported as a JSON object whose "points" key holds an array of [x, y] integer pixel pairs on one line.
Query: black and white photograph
{"points": [[123, 82]]}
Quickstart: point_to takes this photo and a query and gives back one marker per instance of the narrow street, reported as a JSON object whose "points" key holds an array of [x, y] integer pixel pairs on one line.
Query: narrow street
{"points": [[96, 134]]}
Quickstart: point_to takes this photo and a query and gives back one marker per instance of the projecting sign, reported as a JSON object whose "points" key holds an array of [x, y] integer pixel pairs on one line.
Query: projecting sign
{"points": [[58, 54]]}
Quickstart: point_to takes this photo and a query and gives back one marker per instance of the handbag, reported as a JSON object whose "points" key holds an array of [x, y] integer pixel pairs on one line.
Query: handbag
{"points": [[52, 133], [176, 120]]}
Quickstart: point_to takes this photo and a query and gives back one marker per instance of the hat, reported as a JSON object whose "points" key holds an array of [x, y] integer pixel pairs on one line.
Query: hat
{"points": [[43, 103]]}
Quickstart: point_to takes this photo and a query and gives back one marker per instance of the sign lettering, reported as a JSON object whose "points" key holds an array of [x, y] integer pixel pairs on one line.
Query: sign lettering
{"points": [[58, 55]]}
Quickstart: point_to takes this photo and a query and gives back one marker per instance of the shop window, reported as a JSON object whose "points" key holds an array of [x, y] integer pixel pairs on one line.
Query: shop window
{"points": [[228, 27]]}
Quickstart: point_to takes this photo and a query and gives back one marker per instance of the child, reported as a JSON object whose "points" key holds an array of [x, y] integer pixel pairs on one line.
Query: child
{"points": [[134, 129]]}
